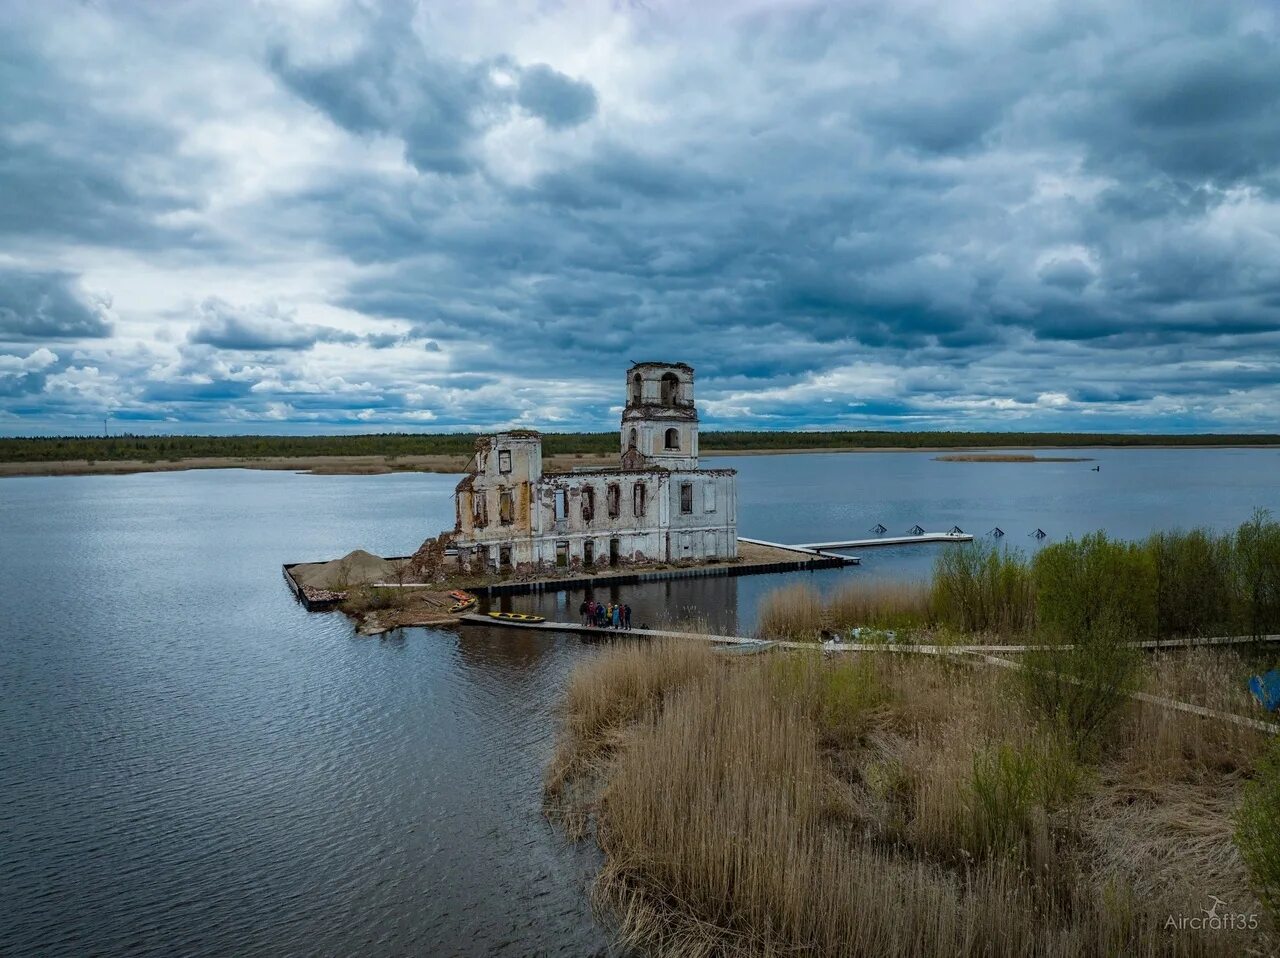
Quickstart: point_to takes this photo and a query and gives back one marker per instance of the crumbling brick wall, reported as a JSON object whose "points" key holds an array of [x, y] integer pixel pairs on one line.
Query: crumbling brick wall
{"points": [[429, 563]]}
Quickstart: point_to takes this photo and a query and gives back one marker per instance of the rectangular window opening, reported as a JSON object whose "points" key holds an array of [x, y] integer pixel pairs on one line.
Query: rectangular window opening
{"points": [[588, 504], [506, 507], [638, 495], [504, 460], [686, 498], [562, 554], [562, 504], [614, 499], [709, 497]]}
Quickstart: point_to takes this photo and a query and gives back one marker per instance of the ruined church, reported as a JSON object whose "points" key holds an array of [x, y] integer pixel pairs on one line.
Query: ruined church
{"points": [[655, 506]]}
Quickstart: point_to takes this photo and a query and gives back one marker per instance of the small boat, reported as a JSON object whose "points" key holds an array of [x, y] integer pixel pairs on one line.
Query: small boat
{"points": [[465, 601], [517, 617]]}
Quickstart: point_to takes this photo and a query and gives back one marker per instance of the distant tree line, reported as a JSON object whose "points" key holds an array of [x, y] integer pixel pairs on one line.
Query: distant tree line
{"points": [[161, 448]]}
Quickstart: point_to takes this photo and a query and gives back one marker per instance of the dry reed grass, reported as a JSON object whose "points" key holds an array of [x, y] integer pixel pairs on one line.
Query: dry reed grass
{"points": [[605, 695], [799, 612], [791, 612], [889, 806], [880, 604]]}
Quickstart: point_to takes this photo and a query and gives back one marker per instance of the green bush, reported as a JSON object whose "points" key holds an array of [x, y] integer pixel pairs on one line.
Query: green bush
{"points": [[1257, 574], [979, 587], [1258, 829], [1194, 582], [1095, 583], [1078, 689], [1009, 784]]}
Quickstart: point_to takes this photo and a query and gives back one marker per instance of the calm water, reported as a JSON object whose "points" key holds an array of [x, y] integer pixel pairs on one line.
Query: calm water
{"points": [[191, 764]]}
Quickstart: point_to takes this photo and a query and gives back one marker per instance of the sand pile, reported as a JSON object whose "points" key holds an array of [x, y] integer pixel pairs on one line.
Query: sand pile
{"points": [[355, 568]]}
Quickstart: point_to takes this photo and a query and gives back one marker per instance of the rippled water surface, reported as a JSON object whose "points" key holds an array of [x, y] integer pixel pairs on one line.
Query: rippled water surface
{"points": [[192, 764]]}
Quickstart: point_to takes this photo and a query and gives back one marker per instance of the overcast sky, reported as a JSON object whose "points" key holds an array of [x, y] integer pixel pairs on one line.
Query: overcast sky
{"points": [[340, 216]]}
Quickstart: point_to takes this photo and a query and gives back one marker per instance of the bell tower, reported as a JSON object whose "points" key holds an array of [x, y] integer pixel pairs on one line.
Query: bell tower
{"points": [[660, 421]]}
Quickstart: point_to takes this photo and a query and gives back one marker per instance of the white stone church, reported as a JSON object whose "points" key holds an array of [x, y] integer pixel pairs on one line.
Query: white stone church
{"points": [[656, 506]]}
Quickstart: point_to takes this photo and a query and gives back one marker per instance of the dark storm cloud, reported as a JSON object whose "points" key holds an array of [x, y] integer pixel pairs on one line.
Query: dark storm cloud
{"points": [[1194, 107], [229, 327], [70, 169], [47, 306], [437, 105], [559, 100]]}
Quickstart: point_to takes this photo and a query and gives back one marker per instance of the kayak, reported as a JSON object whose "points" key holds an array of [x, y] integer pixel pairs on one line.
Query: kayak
{"points": [[516, 617], [465, 601]]}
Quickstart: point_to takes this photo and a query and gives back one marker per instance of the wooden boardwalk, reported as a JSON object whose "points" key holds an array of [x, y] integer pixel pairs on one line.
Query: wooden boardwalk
{"points": [[477, 618], [972, 654]]}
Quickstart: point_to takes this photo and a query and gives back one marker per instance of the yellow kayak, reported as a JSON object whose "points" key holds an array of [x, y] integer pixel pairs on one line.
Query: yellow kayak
{"points": [[516, 617], [465, 601]]}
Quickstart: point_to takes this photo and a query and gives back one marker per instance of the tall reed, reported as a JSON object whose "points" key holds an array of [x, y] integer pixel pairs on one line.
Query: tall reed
{"points": [[880, 604], [791, 612]]}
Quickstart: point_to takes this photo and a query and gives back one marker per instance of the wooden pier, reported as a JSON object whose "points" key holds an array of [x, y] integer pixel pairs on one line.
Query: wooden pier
{"points": [[888, 541]]}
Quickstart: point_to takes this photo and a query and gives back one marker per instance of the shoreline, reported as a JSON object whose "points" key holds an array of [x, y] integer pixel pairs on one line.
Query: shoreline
{"points": [[454, 465]]}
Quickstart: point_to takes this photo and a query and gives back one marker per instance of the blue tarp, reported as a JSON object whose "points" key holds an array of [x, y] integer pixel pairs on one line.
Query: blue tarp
{"points": [[1266, 689]]}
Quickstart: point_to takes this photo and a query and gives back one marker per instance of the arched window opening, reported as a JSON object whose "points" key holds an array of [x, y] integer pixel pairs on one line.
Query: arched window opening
{"points": [[633, 438], [670, 389], [636, 389], [673, 439]]}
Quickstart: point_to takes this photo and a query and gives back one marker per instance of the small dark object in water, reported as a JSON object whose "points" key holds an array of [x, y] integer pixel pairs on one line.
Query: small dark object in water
{"points": [[1039, 533], [996, 533], [1266, 689], [1097, 468], [879, 529], [916, 530], [957, 531]]}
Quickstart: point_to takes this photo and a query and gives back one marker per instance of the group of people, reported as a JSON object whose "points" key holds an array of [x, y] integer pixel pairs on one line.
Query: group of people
{"points": [[602, 616]]}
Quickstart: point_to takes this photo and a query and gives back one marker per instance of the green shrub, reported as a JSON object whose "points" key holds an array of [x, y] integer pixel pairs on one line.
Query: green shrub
{"points": [[1258, 829], [1095, 583], [1094, 598], [1009, 784], [1194, 582], [1257, 574], [1078, 690], [979, 587]]}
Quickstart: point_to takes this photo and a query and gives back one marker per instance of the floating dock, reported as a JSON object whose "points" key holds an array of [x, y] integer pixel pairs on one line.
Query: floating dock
{"points": [[888, 541]]}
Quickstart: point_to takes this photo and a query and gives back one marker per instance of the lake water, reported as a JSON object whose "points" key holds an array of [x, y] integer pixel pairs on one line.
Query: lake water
{"points": [[192, 764]]}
